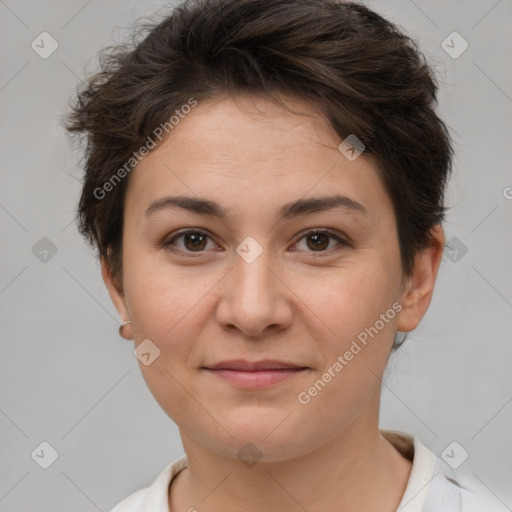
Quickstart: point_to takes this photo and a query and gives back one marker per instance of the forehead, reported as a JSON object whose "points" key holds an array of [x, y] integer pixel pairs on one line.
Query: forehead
{"points": [[248, 132], [247, 149]]}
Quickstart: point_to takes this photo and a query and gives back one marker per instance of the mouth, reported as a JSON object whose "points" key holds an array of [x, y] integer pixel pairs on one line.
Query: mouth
{"points": [[254, 375]]}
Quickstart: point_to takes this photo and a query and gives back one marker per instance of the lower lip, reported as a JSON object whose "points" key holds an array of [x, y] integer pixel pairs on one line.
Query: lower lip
{"points": [[256, 379]]}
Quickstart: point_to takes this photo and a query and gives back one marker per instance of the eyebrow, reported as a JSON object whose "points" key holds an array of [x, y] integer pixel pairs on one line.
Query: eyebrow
{"points": [[288, 211]]}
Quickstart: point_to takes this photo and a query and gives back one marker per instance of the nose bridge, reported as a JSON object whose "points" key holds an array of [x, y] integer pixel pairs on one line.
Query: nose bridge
{"points": [[254, 277], [253, 285], [252, 298]]}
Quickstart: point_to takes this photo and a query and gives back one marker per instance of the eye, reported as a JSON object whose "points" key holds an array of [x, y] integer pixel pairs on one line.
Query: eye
{"points": [[320, 241], [196, 241], [192, 241]]}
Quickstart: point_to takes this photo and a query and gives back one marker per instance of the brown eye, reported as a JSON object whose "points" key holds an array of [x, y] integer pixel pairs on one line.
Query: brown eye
{"points": [[194, 241], [318, 241], [321, 241], [189, 241]]}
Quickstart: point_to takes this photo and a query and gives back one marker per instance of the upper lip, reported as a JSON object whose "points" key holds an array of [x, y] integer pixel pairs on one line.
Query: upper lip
{"points": [[248, 366]]}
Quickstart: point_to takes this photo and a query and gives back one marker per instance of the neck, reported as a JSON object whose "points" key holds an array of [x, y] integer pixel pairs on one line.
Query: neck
{"points": [[358, 470]]}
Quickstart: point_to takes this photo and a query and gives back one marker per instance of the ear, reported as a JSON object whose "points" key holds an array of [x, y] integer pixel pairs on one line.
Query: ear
{"points": [[117, 296], [419, 287]]}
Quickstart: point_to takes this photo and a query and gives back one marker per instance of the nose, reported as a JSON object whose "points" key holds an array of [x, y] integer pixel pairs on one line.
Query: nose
{"points": [[254, 298]]}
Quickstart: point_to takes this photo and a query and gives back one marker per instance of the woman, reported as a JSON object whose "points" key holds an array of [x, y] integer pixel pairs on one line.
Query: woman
{"points": [[264, 184]]}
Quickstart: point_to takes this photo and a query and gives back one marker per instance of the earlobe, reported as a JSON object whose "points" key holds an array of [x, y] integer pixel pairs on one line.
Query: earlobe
{"points": [[419, 287], [118, 298]]}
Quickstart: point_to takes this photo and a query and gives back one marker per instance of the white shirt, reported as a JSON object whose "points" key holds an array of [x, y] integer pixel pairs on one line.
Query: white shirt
{"points": [[432, 486]]}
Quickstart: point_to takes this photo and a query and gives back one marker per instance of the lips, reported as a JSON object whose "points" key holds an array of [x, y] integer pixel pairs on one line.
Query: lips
{"points": [[246, 366], [255, 375]]}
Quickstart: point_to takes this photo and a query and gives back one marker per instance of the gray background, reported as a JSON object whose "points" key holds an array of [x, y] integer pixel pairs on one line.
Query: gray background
{"points": [[68, 379]]}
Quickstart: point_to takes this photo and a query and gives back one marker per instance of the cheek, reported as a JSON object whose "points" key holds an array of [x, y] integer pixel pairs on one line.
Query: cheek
{"points": [[359, 313], [357, 307], [348, 300], [167, 309], [170, 306], [163, 297]]}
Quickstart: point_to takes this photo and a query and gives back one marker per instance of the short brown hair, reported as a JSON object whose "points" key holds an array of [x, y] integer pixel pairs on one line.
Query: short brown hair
{"points": [[366, 77]]}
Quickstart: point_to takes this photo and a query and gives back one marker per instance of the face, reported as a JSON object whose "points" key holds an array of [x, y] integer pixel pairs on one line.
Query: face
{"points": [[309, 289]]}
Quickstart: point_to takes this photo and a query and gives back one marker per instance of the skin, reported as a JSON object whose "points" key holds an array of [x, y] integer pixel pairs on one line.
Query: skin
{"points": [[292, 303]]}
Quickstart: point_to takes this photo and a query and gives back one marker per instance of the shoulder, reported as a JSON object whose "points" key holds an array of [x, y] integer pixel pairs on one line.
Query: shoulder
{"points": [[132, 502], [155, 496], [446, 493], [433, 485]]}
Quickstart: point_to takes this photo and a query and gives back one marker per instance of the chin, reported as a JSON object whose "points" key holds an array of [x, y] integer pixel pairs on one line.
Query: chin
{"points": [[261, 434]]}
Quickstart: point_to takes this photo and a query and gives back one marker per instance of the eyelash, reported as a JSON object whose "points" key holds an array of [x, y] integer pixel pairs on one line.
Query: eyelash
{"points": [[342, 244]]}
